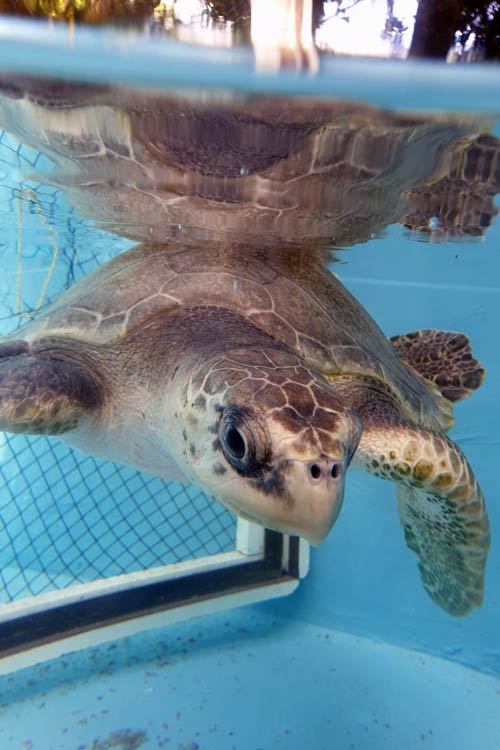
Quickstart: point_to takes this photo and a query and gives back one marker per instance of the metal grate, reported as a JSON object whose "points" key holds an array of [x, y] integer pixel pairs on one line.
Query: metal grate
{"points": [[66, 518]]}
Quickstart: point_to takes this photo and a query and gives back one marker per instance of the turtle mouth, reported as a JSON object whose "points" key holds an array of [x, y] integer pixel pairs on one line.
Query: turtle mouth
{"points": [[233, 505]]}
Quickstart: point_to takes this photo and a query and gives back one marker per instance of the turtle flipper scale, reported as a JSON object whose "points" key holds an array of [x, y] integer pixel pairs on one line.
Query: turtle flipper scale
{"points": [[42, 394], [441, 509], [443, 357], [451, 547]]}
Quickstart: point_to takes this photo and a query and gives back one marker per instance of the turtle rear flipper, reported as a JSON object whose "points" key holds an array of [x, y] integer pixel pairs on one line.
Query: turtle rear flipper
{"points": [[43, 394], [443, 357]]}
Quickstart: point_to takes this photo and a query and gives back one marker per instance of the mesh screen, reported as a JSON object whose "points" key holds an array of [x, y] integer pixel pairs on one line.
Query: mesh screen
{"points": [[66, 518]]}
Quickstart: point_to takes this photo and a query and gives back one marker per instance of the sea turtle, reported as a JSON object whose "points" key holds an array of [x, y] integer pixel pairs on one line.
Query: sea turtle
{"points": [[256, 375]]}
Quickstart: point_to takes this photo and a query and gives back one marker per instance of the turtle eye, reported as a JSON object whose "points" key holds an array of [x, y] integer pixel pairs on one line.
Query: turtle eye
{"points": [[235, 443], [242, 440], [238, 446]]}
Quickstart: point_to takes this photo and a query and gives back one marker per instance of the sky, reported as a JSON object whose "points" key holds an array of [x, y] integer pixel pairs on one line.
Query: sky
{"points": [[363, 33]]}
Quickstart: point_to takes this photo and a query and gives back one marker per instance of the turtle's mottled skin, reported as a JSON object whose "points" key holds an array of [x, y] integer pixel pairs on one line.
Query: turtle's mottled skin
{"points": [[258, 377]]}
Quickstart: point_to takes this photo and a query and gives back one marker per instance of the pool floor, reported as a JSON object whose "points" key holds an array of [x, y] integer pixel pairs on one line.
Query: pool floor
{"points": [[247, 681]]}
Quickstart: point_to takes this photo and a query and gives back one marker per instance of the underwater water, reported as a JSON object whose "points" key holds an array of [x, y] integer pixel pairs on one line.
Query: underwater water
{"points": [[395, 190]]}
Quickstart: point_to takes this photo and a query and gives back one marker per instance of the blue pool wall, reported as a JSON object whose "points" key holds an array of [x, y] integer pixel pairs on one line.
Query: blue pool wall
{"points": [[363, 579]]}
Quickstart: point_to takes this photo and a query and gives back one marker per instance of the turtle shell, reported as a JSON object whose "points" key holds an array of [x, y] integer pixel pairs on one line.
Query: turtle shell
{"points": [[293, 298]]}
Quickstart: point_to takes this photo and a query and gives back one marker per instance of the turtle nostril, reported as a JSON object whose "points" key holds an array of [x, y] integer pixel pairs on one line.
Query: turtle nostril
{"points": [[315, 471], [335, 471], [325, 469]]}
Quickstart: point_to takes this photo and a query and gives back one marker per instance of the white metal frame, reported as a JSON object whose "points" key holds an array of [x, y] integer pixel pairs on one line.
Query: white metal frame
{"points": [[250, 546]]}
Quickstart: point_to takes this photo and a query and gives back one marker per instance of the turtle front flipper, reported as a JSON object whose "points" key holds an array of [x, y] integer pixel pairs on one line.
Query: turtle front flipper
{"points": [[441, 508], [443, 357], [43, 392]]}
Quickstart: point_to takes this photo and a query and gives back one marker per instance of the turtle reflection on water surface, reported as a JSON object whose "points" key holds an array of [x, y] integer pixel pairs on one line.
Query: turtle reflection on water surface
{"points": [[262, 381], [246, 368]]}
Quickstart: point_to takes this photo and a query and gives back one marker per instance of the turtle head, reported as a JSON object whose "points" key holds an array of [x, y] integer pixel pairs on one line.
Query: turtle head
{"points": [[270, 439]]}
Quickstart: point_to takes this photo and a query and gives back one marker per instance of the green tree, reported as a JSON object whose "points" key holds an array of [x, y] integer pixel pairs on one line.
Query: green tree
{"points": [[436, 23], [482, 20], [439, 21]]}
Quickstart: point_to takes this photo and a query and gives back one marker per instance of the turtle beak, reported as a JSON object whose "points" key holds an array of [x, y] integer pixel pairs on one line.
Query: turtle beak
{"points": [[300, 497], [316, 489]]}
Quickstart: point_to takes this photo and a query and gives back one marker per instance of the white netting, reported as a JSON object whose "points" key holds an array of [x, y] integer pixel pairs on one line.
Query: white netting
{"points": [[67, 518]]}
